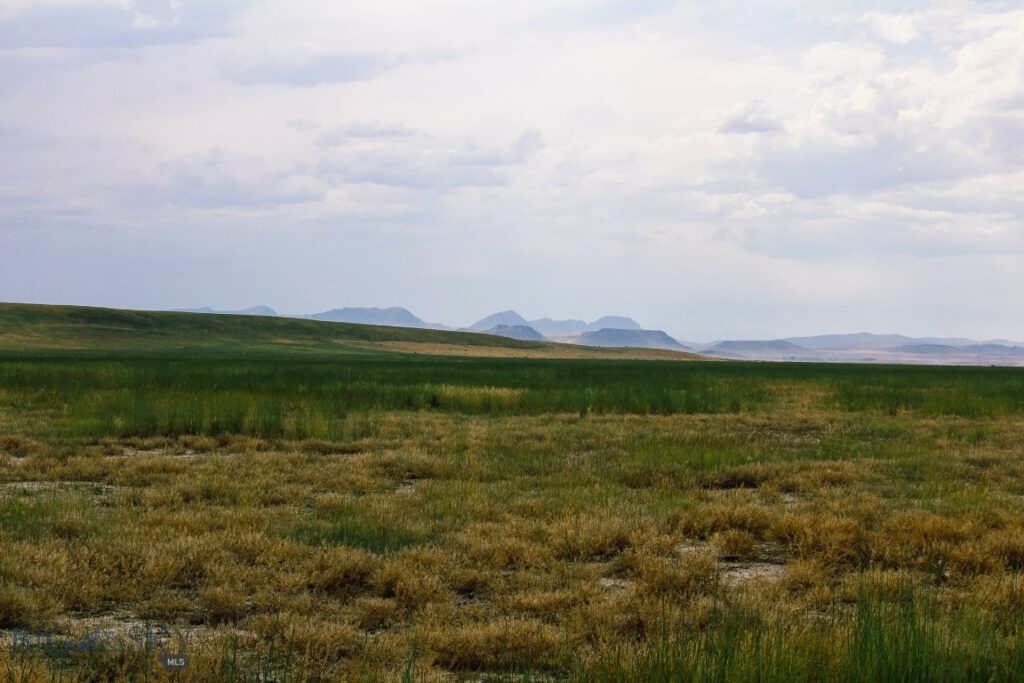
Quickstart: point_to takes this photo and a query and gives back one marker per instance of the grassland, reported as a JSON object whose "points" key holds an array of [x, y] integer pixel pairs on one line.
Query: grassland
{"points": [[347, 513]]}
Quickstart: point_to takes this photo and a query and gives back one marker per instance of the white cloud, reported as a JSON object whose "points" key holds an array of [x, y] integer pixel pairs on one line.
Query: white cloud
{"points": [[752, 117], [712, 167], [112, 24], [894, 28]]}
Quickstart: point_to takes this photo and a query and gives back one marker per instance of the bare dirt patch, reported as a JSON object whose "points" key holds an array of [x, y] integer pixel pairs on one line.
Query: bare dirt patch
{"points": [[766, 564]]}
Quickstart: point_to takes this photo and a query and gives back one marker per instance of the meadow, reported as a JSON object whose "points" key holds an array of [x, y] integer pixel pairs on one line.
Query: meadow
{"points": [[284, 514]]}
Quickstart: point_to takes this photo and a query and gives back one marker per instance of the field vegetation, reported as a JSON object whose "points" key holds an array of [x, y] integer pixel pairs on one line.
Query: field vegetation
{"points": [[284, 514]]}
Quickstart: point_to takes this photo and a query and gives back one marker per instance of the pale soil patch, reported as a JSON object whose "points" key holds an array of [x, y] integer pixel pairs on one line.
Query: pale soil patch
{"points": [[406, 487], [117, 631], [91, 487], [739, 573], [768, 565], [613, 584], [128, 452]]}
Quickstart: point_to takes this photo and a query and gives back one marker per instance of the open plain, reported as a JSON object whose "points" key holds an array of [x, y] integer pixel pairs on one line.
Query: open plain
{"points": [[327, 510]]}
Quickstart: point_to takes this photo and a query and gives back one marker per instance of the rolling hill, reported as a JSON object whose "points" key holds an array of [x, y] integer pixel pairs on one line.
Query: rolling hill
{"points": [[32, 327], [761, 349], [640, 339], [521, 332]]}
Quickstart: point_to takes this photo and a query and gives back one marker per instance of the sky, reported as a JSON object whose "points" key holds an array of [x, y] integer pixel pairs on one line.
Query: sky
{"points": [[725, 169]]}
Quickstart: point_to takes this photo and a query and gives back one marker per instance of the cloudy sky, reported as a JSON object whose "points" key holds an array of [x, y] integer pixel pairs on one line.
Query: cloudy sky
{"points": [[714, 169]]}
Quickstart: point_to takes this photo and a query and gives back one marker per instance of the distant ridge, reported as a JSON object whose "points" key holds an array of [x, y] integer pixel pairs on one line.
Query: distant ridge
{"points": [[390, 317], [557, 328], [858, 340], [774, 345], [520, 332], [929, 349], [994, 350], [640, 339], [255, 310], [610, 332]]}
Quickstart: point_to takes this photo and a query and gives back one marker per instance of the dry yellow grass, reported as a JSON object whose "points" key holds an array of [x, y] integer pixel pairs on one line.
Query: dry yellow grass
{"points": [[428, 545]]}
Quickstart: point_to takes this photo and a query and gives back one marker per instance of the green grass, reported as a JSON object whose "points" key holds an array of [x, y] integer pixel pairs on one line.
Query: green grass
{"points": [[350, 525], [27, 517], [903, 640], [296, 397], [324, 512]]}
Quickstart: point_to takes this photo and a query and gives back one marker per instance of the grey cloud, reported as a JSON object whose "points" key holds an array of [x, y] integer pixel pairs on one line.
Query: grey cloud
{"points": [[422, 171], [1000, 136], [528, 144], [364, 131], [425, 164], [308, 71], [606, 12], [117, 26], [302, 125], [1013, 103], [751, 118], [839, 229], [823, 168], [948, 198], [14, 139], [221, 181]]}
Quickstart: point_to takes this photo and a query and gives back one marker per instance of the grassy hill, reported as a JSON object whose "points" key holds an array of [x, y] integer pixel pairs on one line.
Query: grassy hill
{"points": [[44, 327]]}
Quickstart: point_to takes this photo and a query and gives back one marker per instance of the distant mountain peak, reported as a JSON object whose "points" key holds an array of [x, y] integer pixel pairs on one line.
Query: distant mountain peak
{"points": [[395, 316], [510, 318], [257, 310], [614, 322], [636, 338]]}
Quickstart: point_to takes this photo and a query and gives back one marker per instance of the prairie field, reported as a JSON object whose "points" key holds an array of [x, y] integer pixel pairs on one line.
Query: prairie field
{"points": [[359, 514]]}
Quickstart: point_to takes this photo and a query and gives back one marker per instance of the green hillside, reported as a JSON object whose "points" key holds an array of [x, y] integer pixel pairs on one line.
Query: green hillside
{"points": [[29, 326]]}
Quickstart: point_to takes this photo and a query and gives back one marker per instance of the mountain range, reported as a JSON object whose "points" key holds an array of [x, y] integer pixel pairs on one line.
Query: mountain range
{"points": [[871, 348], [620, 331], [555, 328]]}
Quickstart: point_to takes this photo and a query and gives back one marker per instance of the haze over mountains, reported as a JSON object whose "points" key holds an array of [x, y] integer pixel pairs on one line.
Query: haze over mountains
{"points": [[395, 316], [621, 331], [871, 348]]}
